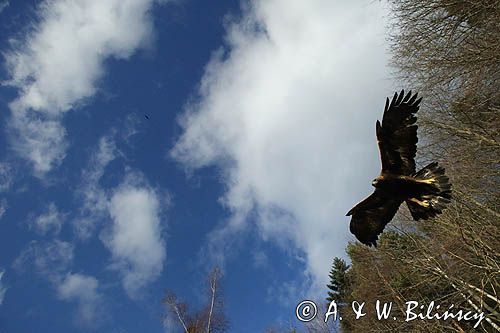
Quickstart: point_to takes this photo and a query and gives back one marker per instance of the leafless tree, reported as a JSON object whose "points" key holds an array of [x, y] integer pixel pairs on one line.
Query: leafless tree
{"points": [[210, 319]]}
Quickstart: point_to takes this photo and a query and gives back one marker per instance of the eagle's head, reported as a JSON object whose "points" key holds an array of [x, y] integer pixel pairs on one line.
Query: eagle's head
{"points": [[376, 182]]}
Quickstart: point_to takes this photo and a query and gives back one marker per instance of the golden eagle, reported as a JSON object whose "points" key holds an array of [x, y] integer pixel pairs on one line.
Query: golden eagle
{"points": [[426, 192]]}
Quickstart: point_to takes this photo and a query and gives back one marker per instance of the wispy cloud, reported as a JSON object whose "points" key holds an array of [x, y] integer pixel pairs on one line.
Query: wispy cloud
{"points": [[6, 179], [134, 239], [56, 68], [3, 289], [94, 199], [52, 261], [51, 220], [260, 259], [287, 111], [3, 207], [48, 259], [6, 176], [3, 4], [170, 322]]}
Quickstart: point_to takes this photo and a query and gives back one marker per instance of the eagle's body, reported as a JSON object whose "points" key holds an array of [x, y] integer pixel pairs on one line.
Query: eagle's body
{"points": [[403, 187], [426, 192]]}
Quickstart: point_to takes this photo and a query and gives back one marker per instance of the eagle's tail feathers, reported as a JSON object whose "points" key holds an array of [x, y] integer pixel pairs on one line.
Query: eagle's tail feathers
{"points": [[437, 196]]}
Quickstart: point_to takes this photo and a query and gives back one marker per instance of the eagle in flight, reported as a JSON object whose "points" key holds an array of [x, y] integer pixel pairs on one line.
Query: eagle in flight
{"points": [[426, 192]]}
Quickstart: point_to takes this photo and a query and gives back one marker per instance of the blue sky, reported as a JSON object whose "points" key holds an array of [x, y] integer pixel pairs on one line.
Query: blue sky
{"points": [[260, 137]]}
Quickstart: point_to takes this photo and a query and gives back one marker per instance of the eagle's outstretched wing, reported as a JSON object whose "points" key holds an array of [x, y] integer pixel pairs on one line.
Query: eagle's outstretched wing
{"points": [[397, 135], [370, 216]]}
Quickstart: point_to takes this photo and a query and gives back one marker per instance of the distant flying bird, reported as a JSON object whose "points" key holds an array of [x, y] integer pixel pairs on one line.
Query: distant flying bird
{"points": [[146, 116], [426, 192]]}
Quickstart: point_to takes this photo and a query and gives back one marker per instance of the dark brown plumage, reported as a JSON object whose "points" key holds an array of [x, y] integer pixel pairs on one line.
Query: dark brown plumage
{"points": [[426, 192]]}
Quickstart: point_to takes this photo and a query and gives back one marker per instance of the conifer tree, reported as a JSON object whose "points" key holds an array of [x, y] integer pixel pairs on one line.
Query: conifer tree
{"points": [[339, 281]]}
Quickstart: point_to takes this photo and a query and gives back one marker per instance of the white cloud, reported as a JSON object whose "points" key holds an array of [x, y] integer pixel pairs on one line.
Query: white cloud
{"points": [[58, 64], [93, 197], [83, 290], [134, 239], [288, 113], [134, 236], [3, 289], [52, 219]]}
